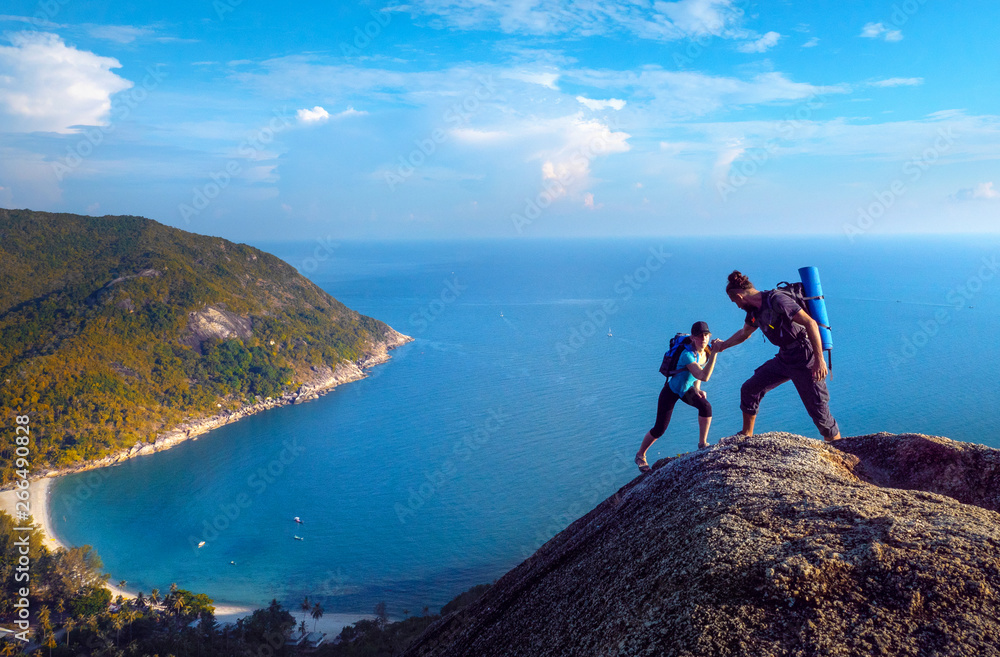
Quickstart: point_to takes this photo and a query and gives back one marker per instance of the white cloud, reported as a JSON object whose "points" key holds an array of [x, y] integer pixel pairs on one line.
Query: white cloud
{"points": [[588, 201], [598, 105], [350, 111], [566, 166], [872, 30], [261, 174], [46, 85], [314, 115], [318, 115], [118, 33], [762, 44], [879, 30], [729, 154], [898, 82], [38, 21], [955, 136], [658, 20], [698, 17], [811, 43], [677, 94], [981, 192], [473, 136], [126, 34], [543, 78]]}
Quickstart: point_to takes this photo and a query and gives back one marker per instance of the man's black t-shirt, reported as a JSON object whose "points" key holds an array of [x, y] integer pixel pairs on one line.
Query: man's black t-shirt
{"points": [[774, 319]]}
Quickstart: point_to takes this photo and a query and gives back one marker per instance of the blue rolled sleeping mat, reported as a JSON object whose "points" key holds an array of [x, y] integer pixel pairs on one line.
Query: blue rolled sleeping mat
{"points": [[817, 307]]}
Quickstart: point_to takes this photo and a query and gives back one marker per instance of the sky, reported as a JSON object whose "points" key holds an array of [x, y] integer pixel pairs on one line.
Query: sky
{"points": [[427, 119]]}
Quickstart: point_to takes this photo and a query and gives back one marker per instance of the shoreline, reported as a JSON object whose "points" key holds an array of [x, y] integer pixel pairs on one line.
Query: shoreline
{"points": [[326, 380], [225, 612]]}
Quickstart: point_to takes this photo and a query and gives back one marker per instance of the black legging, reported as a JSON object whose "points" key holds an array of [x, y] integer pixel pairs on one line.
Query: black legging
{"points": [[665, 407]]}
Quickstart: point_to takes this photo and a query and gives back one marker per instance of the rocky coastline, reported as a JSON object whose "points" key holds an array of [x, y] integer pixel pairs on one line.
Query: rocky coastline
{"points": [[324, 379]]}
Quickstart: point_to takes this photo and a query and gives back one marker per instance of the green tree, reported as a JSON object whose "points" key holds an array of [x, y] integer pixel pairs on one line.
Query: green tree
{"points": [[93, 601]]}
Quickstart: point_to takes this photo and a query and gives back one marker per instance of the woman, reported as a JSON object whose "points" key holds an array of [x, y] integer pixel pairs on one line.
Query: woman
{"points": [[799, 358], [696, 363]]}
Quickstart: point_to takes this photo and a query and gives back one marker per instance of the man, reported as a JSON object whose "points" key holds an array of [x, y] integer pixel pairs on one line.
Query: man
{"points": [[799, 358]]}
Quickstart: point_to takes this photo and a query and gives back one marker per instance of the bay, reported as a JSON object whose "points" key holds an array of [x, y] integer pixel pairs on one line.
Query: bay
{"points": [[513, 413]]}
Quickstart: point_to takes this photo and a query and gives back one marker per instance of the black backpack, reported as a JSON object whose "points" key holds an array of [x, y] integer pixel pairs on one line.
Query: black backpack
{"points": [[677, 343], [797, 292]]}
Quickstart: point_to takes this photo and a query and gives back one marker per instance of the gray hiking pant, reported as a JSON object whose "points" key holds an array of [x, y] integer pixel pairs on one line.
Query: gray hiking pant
{"points": [[814, 394]]}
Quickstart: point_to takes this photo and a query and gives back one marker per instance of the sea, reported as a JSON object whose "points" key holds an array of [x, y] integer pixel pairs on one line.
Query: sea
{"points": [[519, 406]]}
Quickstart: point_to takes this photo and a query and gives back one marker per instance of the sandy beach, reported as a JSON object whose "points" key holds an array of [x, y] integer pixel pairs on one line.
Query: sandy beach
{"points": [[38, 490], [38, 502]]}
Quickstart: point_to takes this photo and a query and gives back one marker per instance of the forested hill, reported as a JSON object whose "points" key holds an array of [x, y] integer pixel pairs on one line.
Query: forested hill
{"points": [[113, 329]]}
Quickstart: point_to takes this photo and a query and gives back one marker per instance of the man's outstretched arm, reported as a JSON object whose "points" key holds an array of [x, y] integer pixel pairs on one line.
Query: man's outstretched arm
{"points": [[736, 338]]}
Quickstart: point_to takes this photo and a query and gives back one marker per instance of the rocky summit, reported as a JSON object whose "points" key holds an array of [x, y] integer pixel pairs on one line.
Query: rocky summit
{"points": [[770, 545]]}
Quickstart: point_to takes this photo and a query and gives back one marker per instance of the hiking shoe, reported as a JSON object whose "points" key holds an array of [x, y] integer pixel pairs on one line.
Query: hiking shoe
{"points": [[641, 462]]}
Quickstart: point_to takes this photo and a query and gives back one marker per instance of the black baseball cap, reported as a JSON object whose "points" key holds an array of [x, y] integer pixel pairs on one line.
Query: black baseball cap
{"points": [[700, 328]]}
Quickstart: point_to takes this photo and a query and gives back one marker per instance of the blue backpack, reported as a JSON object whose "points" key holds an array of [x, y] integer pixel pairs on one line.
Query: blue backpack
{"points": [[677, 343]]}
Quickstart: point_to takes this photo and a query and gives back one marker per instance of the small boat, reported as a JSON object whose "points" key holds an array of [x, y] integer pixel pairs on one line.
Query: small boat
{"points": [[201, 544], [501, 313], [609, 333], [296, 519], [298, 538], [233, 562]]}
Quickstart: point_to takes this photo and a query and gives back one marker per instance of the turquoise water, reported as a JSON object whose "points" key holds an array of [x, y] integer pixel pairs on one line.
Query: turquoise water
{"points": [[513, 413]]}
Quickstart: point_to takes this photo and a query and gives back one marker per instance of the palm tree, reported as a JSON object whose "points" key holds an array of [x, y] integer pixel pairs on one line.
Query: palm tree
{"points": [[44, 624], [118, 623], [122, 583], [140, 601], [317, 613], [91, 622], [179, 605], [406, 612], [8, 649], [69, 625], [130, 617], [172, 595], [50, 643], [305, 607], [427, 610], [154, 597]]}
